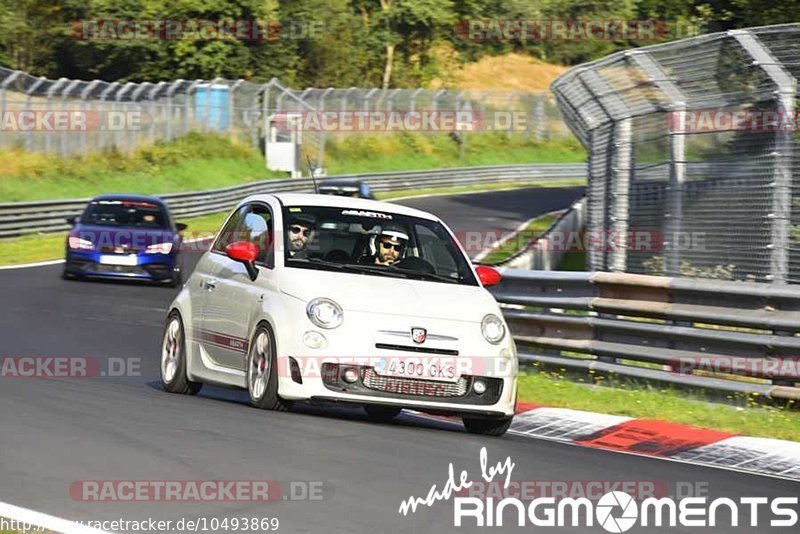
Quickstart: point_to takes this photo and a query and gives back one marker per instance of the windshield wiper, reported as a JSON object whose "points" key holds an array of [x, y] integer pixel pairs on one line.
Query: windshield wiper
{"points": [[407, 273], [427, 276], [348, 266], [373, 269], [318, 261], [377, 269]]}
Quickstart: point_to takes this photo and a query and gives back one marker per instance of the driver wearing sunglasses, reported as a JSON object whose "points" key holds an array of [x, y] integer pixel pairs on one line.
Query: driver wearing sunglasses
{"points": [[298, 232], [390, 245]]}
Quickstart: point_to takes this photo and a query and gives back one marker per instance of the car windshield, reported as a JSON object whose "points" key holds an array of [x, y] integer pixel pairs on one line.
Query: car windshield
{"points": [[125, 213], [373, 243]]}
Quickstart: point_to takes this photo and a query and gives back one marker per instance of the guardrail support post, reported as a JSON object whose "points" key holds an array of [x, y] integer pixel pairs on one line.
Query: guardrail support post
{"points": [[112, 87], [323, 137], [170, 112], [10, 78], [265, 116], [782, 170], [620, 189], [50, 94], [87, 105], [231, 107], [677, 157]]}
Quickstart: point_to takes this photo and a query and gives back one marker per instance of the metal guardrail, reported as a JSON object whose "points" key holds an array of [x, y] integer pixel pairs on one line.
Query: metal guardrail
{"points": [[716, 335], [21, 218]]}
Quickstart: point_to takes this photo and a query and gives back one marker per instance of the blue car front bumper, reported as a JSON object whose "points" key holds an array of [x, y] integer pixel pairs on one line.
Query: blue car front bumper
{"points": [[141, 266]]}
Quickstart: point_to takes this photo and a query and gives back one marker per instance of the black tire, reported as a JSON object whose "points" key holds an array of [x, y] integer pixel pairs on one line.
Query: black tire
{"points": [[176, 280], [381, 414], [262, 377], [177, 382], [487, 427], [66, 275]]}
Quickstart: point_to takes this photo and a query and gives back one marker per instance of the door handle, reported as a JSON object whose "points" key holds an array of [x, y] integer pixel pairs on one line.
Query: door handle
{"points": [[210, 284]]}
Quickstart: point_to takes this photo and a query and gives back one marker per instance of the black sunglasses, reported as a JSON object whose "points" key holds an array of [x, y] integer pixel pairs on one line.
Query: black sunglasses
{"points": [[298, 229], [387, 246]]}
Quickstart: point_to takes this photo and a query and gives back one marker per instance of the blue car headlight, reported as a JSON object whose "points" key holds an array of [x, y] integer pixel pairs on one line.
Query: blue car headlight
{"points": [[159, 248]]}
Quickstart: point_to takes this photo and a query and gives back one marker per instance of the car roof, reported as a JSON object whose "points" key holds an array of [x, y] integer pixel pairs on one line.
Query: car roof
{"points": [[130, 198], [305, 199]]}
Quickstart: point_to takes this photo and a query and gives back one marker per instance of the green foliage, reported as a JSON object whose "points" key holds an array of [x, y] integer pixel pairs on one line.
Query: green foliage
{"points": [[198, 162], [341, 43]]}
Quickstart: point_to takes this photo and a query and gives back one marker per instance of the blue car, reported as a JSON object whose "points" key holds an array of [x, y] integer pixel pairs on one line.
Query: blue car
{"points": [[125, 237]]}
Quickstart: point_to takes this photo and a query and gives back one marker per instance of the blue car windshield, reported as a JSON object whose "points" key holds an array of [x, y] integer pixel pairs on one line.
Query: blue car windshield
{"points": [[125, 213]]}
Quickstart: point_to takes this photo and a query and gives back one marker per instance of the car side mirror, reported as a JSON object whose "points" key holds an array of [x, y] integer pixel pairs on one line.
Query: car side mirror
{"points": [[181, 226], [489, 276], [246, 253], [72, 220]]}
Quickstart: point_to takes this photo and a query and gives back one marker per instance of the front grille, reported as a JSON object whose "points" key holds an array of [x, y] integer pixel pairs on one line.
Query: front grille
{"points": [[112, 249], [372, 384], [413, 386], [409, 348], [127, 269]]}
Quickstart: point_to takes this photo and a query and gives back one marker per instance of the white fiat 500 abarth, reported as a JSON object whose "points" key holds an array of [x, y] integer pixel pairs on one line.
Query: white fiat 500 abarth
{"points": [[321, 299]]}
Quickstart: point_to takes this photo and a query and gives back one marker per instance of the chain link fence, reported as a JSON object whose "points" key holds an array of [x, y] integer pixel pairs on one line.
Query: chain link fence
{"points": [[74, 117], [693, 147]]}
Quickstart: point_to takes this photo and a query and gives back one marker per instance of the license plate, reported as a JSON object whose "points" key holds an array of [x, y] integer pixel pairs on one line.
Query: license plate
{"points": [[441, 369], [129, 260]]}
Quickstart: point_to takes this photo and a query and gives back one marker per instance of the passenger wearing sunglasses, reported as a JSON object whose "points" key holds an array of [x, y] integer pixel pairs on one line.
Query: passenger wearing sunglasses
{"points": [[298, 232], [389, 246]]}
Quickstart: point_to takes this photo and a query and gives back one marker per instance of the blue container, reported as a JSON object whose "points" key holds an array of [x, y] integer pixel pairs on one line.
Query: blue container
{"points": [[212, 105]]}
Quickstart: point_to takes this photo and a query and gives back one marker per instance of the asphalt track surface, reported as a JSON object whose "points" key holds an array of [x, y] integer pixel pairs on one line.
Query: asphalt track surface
{"points": [[55, 432]]}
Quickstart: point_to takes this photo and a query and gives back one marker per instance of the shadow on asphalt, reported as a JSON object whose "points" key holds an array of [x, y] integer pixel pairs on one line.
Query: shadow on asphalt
{"points": [[345, 413]]}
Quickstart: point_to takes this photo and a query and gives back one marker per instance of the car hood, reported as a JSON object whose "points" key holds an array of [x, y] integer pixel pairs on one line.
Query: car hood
{"points": [[132, 237], [387, 295]]}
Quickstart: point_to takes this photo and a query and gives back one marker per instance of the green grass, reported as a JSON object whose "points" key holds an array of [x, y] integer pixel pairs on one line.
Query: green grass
{"points": [[405, 151], [431, 191], [191, 163], [666, 404], [43, 247], [503, 251], [574, 260], [197, 162]]}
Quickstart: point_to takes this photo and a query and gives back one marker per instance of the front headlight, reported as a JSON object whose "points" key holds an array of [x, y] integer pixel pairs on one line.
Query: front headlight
{"points": [[79, 243], [324, 313], [493, 329], [159, 248]]}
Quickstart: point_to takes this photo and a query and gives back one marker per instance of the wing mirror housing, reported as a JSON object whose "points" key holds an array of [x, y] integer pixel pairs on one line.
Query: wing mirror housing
{"points": [[489, 276], [246, 253]]}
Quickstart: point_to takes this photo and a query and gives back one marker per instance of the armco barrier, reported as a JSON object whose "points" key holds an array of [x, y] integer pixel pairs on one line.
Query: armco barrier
{"points": [[21, 218], [727, 336]]}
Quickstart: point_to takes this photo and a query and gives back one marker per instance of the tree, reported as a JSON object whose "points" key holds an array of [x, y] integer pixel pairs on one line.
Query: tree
{"points": [[411, 26]]}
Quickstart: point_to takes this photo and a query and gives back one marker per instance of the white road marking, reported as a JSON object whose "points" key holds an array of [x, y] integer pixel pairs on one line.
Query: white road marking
{"points": [[45, 522], [29, 265]]}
